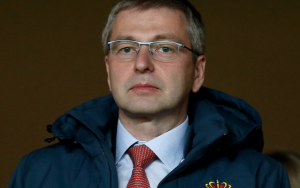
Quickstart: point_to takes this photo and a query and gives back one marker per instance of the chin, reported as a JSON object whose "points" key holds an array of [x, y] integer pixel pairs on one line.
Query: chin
{"points": [[143, 108]]}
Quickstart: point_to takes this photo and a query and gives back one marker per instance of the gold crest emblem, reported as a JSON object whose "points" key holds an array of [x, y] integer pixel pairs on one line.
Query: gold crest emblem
{"points": [[216, 184]]}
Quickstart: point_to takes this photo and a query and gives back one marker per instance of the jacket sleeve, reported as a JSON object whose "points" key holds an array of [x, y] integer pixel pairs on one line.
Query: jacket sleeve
{"points": [[278, 178]]}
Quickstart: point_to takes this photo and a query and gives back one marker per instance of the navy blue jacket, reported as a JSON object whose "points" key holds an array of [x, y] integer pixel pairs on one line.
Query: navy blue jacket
{"points": [[224, 148]]}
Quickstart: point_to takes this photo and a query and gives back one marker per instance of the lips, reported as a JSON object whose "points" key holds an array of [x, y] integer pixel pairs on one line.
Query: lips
{"points": [[146, 86]]}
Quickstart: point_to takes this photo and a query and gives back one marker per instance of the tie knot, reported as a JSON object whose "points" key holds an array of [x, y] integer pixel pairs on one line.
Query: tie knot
{"points": [[141, 155]]}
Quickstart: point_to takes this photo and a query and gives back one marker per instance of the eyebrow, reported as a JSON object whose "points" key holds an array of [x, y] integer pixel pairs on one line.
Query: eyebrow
{"points": [[166, 37], [124, 37], [159, 37]]}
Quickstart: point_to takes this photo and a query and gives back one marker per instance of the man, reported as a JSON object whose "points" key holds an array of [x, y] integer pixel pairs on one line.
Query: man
{"points": [[158, 129]]}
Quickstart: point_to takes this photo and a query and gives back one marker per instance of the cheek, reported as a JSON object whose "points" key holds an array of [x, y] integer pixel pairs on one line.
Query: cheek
{"points": [[184, 72], [179, 78], [121, 77], [115, 76]]}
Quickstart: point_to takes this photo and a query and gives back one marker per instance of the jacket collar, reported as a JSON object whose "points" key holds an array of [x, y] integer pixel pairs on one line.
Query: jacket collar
{"points": [[212, 114]]}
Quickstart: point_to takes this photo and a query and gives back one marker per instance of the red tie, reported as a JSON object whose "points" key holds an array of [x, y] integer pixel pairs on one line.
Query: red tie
{"points": [[141, 157]]}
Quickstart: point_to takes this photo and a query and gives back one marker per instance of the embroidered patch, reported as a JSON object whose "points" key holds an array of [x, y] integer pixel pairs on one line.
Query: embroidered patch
{"points": [[212, 184]]}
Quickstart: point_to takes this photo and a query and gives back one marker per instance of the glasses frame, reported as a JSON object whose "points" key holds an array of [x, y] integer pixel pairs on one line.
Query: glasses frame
{"points": [[149, 43]]}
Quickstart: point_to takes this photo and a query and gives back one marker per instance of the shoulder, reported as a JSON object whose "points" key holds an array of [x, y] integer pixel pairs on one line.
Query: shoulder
{"points": [[247, 168], [52, 153], [270, 172], [52, 165], [253, 156], [239, 168], [251, 160], [54, 157], [264, 170]]}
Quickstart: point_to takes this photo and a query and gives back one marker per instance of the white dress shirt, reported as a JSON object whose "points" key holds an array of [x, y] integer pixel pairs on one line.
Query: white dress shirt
{"points": [[168, 147]]}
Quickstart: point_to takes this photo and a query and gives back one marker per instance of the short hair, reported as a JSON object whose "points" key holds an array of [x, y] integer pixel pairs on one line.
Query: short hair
{"points": [[195, 26], [291, 162]]}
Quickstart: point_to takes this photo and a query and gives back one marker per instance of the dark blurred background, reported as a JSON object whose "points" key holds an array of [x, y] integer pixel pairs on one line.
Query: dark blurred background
{"points": [[51, 60]]}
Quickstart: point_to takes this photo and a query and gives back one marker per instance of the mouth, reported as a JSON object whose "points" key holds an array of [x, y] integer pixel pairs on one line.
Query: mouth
{"points": [[144, 87]]}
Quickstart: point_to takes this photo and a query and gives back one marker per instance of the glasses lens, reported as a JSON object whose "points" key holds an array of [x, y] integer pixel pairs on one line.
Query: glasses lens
{"points": [[164, 51], [124, 49]]}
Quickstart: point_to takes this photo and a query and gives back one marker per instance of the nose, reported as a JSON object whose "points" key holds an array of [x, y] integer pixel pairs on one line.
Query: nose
{"points": [[144, 61]]}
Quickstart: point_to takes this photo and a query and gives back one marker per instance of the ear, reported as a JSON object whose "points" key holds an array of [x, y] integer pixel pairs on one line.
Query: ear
{"points": [[107, 70], [199, 73]]}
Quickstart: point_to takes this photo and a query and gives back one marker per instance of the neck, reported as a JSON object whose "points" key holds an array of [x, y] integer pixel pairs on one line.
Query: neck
{"points": [[145, 128]]}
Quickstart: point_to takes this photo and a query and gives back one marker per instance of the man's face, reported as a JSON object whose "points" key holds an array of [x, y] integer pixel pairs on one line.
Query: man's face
{"points": [[147, 87]]}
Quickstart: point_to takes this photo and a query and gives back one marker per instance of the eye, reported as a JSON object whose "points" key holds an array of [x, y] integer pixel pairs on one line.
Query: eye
{"points": [[165, 49], [126, 49]]}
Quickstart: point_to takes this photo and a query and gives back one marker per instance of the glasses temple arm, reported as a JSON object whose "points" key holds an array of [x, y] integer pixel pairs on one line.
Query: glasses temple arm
{"points": [[191, 50]]}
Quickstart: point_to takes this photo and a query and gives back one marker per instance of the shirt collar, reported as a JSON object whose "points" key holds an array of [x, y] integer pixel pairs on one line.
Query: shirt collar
{"points": [[168, 147], [124, 141]]}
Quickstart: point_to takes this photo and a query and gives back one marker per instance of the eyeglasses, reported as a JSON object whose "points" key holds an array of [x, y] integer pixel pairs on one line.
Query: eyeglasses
{"points": [[159, 50]]}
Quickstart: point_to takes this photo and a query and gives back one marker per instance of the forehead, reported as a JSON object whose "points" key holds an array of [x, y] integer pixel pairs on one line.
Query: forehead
{"points": [[149, 25]]}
